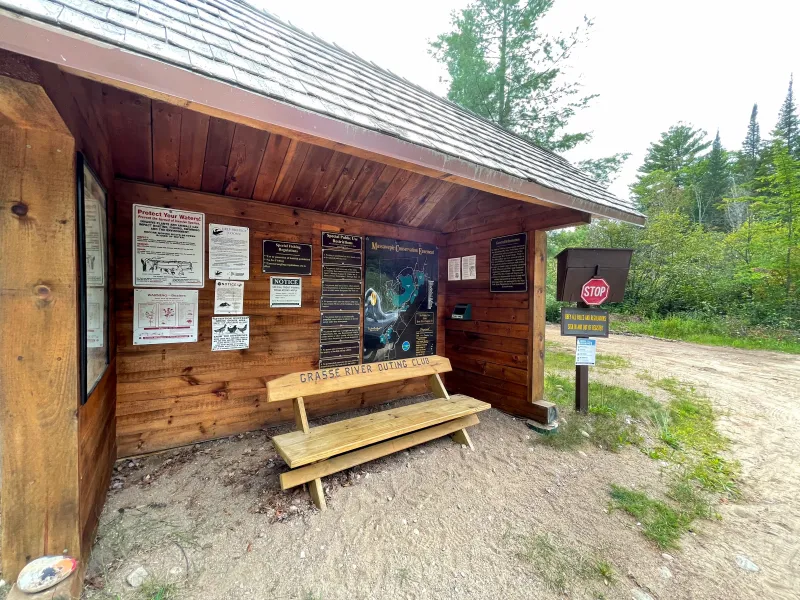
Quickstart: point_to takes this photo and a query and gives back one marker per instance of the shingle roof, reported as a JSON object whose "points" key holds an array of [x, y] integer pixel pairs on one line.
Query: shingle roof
{"points": [[241, 45]]}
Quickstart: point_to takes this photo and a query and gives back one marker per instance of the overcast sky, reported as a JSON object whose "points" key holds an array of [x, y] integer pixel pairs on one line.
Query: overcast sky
{"points": [[653, 63]]}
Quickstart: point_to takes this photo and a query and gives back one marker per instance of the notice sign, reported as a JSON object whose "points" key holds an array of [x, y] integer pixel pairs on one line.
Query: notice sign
{"points": [[508, 266], [468, 267], [228, 297], [164, 316], [228, 252], [341, 240], [230, 333], [168, 247], [585, 352], [453, 269], [584, 322], [285, 292], [287, 258]]}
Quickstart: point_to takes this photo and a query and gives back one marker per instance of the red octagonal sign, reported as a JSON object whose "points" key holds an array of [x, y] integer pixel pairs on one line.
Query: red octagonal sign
{"points": [[595, 291]]}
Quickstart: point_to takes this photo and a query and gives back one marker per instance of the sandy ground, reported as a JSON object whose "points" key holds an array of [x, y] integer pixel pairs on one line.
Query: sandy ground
{"points": [[441, 521]]}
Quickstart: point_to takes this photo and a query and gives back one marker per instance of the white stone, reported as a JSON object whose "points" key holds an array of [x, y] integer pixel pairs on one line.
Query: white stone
{"points": [[585, 433], [175, 571], [665, 573], [137, 577], [666, 556], [302, 554], [745, 563], [583, 454], [641, 595], [416, 532]]}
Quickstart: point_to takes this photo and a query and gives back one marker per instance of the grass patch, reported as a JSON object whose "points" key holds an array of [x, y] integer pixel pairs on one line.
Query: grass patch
{"points": [[713, 332], [155, 590], [559, 566], [660, 522], [562, 360]]}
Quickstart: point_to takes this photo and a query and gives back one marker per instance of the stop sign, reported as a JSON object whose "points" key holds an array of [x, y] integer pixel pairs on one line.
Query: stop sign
{"points": [[595, 291]]}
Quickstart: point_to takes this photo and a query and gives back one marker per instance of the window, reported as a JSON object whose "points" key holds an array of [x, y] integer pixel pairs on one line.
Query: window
{"points": [[93, 278]]}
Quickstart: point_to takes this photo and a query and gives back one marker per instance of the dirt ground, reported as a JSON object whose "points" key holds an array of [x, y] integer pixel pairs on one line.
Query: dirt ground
{"points": [[441, 521]]}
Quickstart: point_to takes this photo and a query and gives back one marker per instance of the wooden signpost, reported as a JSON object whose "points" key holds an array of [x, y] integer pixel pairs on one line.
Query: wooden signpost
{"points": [[589, 277]]}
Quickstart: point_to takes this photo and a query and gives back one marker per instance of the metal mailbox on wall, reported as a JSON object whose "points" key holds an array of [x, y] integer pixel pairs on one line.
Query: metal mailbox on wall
{"points": [[576, 266]]}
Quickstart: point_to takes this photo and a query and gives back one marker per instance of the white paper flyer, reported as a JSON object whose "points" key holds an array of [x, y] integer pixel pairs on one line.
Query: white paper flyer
{"points": [[228, 297], [228, 252], [468, 268], [453, 269], [168, 247], [95, 311], [285, 292], [164, 316], [230, 333], [95, 219]]}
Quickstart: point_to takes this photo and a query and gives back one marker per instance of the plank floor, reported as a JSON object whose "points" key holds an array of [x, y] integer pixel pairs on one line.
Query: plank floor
{"points": [[298, 448]]}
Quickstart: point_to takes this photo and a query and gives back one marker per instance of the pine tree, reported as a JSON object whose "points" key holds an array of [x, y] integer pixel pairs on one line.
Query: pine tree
{"points": [[714, 184], [676, 151], [788, 128], [751, 147]]}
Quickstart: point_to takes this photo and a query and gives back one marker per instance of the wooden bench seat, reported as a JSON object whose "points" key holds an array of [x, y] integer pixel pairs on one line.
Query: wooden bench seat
{"points": [[327, 449]]}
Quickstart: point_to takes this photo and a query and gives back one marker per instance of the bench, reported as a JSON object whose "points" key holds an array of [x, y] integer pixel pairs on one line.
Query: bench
{"points": [[315, 453]]}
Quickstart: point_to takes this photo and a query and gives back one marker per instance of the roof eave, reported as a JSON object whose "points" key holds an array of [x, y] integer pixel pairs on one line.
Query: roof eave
{"points": [[157, 79]]}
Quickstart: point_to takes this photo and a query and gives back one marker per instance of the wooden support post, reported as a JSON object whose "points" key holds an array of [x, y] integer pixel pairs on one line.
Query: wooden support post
{"points": [[536, 304], [39, 381], [300, 418], [582, 389], [437, 387], [317, 494], [462, 437]]}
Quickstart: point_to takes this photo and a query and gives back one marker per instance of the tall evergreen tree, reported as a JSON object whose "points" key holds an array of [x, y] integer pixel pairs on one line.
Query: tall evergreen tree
{"points": [[751, 147], [788, 128], [714, 184], [676, 151], [504, 68]]}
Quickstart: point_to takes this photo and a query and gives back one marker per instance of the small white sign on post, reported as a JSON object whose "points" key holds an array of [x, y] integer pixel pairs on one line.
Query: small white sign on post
{"points": [[230, 333], [285, 292], [585, 352], [228, 297], [453, 269], [228, 252], [468, 267]]}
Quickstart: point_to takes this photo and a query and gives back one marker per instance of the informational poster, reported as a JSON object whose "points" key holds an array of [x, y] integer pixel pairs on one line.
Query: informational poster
{"points": [[585, 351], [230, 333], [469, 267], [286, 258], [228, 297], [508, 263], [584, 322], [95, 241], [453, 269], [168, 247], [95, 317], [228, 252], [285, 292], [164, 316], [401, 282], [340, 303]]}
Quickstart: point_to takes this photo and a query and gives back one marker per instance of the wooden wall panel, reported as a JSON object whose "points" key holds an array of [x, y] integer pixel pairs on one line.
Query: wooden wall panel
{"points": [[174, 394]]}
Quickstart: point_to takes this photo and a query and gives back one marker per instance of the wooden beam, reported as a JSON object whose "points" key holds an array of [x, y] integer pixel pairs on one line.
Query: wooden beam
{"points": [[538, 258], [38, 329], [317, 494], [300, 418], [323, 468], [462, 437], [437, 386]]}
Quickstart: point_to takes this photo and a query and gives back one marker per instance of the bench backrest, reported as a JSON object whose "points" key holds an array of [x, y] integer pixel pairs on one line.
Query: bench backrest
{"points": [[337, 379]]}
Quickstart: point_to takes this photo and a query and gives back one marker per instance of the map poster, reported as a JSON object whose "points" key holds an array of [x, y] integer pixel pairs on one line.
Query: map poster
{"points": [[401, 281], [228, 252], [228, 297], [164, 316], [286, 258], [508, 263], [230, 333], [168, 247]]}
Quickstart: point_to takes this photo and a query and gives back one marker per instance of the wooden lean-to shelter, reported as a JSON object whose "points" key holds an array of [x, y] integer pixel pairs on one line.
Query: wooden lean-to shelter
{"points": [[215, 107]]}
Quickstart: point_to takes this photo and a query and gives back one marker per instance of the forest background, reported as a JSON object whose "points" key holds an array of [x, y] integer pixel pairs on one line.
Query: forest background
{"points": [[719, 258]]}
